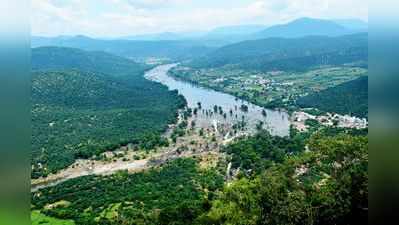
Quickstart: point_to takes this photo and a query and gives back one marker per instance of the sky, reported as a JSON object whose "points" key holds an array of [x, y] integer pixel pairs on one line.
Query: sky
{"points": [[113, 18]]}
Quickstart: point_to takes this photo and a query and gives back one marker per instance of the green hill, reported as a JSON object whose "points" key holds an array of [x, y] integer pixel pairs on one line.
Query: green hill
{"points": [[348, 98], [79, 114], [59, 58], [288, 54]]}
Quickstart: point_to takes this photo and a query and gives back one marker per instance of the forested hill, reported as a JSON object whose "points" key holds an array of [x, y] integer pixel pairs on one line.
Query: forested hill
{"points": [[305, 27], [60, 58], [175, 50], [348, 98], [80, 111], [285, 54]]}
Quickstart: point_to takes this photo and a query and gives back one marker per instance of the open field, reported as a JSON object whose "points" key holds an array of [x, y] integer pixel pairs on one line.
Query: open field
{"points": [[277, 89]]}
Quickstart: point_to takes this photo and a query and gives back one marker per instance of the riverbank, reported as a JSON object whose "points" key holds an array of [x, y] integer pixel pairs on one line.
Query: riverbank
{"points": [[203, 143], [215, 119], [223, 107]]}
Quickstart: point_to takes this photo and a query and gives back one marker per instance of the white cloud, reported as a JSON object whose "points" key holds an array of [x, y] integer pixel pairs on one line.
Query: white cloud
{"points": [[156, 3], [129, 17]]}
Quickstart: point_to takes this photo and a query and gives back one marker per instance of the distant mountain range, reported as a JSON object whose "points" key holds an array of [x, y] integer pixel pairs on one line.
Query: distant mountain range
{"points": [[182, 46], [231, 31], [165, 36], [176, 50], [297, 28], [353, 24], [310, 27], [288, 53]]}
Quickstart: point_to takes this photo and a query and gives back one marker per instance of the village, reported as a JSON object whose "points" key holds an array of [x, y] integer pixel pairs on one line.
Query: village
{"points": [[269, 89], [299, 121]]}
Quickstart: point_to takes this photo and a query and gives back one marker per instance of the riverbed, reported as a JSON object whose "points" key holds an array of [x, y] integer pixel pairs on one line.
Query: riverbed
{"points": [[275, 121], [215, 124]]}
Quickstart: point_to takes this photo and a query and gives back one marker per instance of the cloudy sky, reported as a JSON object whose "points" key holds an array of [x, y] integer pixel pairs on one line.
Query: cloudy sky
{"points": [[111, 18]]}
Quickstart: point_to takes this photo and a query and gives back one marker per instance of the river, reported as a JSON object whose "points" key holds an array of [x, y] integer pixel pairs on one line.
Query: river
{"points": [[277, 122]]}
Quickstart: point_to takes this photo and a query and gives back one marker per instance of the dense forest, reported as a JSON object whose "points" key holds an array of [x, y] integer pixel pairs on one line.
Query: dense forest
{"points": [[81, 112], [283, 184], [59, 58], [348, 98], [326, 185], [113, 145], [355, 56], [255, 154], [177, 193], [286, 54]]}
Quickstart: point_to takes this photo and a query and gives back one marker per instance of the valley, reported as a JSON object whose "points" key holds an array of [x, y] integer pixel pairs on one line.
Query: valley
{"points": [[274, 89], [236, 127], [206, 130]]}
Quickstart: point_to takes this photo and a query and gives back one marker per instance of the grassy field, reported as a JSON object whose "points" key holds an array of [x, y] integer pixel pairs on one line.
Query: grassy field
{"points": [[277, 89], [39, 218]]}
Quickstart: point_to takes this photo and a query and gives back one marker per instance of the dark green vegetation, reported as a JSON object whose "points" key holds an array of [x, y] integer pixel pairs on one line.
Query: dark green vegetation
{"points": [[327, 185], [81, 112], [175, 194], [271, 89], [255, 154], [175, 50], [278, 183], [58, 58], [288, 54], [348, 98], [85, 103], [275, 72]]}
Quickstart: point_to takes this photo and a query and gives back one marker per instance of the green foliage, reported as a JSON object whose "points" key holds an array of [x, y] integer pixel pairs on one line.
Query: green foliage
{"points": [[81, 113], [257, 153], [275, 89], [328, 185], [38, 218], [174, 194], [348, 98], [58, 58], [297, 54], [312, 123], [238, 205]]}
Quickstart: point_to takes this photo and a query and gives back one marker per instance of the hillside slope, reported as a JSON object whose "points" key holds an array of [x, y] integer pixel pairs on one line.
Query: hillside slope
{"points": [[61, 58], [278, 53], [348, 98], [80, 113]]}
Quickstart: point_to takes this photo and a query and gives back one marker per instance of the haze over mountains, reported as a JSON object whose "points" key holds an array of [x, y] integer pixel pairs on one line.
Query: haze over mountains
{"points": [[297, 28], [181, 46], [192, 128], [131, 49], [305, 27]]}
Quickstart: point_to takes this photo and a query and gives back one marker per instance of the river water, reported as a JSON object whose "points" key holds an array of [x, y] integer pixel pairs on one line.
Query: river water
{"points": [[277, 122]]}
